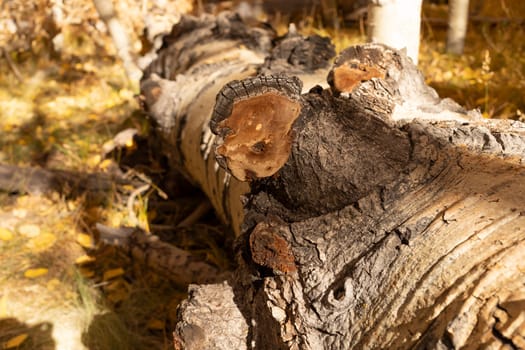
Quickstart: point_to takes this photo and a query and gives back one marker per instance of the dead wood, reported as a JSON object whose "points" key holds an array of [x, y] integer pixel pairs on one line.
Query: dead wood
{"points": [[375, 214], [176, 264]]}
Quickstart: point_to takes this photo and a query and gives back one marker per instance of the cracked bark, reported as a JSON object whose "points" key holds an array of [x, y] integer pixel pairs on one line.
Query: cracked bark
{"points": [[396, 220]]}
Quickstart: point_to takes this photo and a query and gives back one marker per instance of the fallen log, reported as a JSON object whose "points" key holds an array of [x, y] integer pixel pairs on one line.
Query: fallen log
{"points": [[373, 214]]}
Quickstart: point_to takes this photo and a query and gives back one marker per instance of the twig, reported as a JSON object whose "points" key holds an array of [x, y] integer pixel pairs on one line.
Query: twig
{"points": [[147, 180], [12, 65], [131, 200], [198, 213]]}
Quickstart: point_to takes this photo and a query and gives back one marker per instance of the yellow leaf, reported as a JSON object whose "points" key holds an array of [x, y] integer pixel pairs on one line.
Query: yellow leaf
{"points": [[34, 273], [42, 242], [84, 259], [29, 230], [53, 284], [85, 240], [15, 341], [116, 285], [156, 325], [125, 94], [115, 219], [94, 160], [109, 274], [5, 234], [105, 164], [117, 290]]}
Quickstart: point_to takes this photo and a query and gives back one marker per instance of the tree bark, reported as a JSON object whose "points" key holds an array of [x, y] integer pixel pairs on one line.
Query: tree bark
{"points": [[396, 23], [457, 26], [120, 38], [375, 215]]}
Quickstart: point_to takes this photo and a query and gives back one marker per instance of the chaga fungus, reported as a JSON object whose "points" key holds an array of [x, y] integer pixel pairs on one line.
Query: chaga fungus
{"points": [[254, 120]]}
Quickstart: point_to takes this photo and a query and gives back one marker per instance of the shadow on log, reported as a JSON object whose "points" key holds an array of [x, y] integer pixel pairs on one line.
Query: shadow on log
{"points": [[369, 213]]}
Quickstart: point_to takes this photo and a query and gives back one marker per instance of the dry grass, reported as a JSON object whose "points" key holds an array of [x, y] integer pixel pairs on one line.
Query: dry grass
{"points": [[60, 117]]}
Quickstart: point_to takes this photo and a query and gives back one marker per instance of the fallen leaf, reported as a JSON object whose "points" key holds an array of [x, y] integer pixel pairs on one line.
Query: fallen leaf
{"points": [[5, 234], [126, 94], [105, 164], [94, 160], [29, 230], [115, 219], [85, 240], [109, 274], [42, 242], [84, 259], [52, 284], [117, 290], [34, 273], [15, 341]]}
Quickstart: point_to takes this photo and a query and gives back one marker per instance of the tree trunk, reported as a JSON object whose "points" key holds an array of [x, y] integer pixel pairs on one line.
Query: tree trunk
{"points": [[457, 26], [120, 38], [375, 214], [396, 23]]}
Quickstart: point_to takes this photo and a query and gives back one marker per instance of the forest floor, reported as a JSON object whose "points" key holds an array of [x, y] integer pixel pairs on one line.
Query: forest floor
{"points": [[61, 288]]}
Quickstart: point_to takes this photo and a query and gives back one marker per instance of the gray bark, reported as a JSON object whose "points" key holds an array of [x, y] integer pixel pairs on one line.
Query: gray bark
{"points": [[395, 222]]}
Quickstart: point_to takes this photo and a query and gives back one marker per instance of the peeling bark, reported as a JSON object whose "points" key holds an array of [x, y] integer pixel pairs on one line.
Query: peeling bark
{"points": [[395, 222]]}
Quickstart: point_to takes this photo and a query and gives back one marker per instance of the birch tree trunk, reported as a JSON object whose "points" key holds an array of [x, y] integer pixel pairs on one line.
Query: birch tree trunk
{"points": [[457, 26], [375, 214], [396, 23], [119, 35]]}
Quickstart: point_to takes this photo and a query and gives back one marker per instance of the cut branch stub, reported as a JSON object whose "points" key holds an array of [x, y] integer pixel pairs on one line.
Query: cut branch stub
{"points": [[350, 74], [358, 64], [254, 119]]}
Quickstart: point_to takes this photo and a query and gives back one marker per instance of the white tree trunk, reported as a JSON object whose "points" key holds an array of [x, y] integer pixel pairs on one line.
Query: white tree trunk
{"points": [[457, 26], [396, 23], [120, 38]]}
